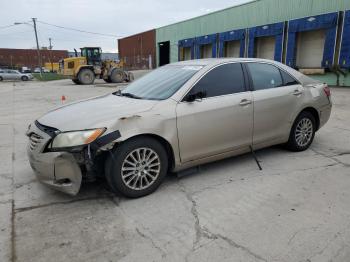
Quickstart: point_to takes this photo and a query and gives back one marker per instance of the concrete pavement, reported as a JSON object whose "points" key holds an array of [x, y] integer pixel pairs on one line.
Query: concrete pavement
{"points": [[296, 209]]}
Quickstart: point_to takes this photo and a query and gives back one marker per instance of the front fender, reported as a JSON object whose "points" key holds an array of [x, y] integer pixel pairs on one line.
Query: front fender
{"points": [[152, 123]]}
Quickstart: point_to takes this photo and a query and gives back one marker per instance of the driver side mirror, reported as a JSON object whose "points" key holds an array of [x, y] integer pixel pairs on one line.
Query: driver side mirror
{"points": [[192, 97]]}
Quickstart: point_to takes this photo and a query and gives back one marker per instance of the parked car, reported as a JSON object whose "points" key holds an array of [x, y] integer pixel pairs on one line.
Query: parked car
{"points": [[43, 70], [25, 69], [8, 74], [178, 116], [37, 70]]}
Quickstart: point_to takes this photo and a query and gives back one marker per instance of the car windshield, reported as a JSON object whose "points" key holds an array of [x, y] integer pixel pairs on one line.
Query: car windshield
{"points": [[160, 84]]}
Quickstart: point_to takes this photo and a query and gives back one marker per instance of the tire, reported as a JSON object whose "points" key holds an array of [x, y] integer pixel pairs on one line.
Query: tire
{"points": [[108, 80], [136, 181], [76, 81], [302, 133], [24, 78], [86, 77], [117, 76], [130, 77], [1, 78]]}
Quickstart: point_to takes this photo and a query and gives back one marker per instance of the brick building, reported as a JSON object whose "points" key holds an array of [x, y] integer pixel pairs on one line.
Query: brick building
{"points": [[138, 51], [17, 58]]}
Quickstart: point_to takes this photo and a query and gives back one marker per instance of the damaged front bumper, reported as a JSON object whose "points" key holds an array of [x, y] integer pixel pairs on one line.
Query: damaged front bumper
{"points": [[58, 170], [62, 170]]}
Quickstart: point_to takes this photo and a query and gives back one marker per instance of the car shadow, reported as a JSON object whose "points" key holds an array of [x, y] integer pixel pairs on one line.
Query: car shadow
{"points": [[235, 167]]}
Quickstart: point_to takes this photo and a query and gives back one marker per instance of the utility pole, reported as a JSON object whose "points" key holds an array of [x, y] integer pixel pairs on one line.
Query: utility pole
{"points": [[37, 47], [50, 47]]}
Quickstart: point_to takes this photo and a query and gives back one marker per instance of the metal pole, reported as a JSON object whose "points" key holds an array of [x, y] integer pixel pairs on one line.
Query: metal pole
{"points": [[37, 47], [50, 47]]}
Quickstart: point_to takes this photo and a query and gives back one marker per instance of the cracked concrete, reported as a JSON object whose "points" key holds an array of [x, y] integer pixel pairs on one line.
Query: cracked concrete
{"points": [[295, 209]]}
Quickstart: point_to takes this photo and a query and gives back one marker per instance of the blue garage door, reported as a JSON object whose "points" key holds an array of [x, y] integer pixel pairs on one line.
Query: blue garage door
{"points": [[326, 21], [344, 58], [205, 40], [275, 30], [233, 35], [187, 43]]}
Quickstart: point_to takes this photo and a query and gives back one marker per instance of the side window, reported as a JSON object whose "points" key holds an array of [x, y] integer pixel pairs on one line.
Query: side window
{"points": [[264, 76], [223, 80], [288, 80]]}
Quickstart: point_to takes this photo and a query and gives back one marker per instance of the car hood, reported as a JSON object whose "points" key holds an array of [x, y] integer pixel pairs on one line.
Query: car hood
{"points": [[103, 111]]}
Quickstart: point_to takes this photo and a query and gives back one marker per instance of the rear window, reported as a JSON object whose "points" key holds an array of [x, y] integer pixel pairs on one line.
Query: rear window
{"points": [[288, 80]]}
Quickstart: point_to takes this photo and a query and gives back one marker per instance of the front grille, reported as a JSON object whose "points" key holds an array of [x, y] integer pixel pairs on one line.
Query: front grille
{"points": [[34, 140]]}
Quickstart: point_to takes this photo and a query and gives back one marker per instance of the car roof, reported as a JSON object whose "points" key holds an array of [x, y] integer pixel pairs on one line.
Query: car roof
{"points": [[213, 61], [303, 79]]}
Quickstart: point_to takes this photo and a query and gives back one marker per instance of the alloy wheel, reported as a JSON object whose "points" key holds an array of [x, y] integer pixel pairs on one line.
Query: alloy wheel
{"points": [[141, 168], [304, 132]]}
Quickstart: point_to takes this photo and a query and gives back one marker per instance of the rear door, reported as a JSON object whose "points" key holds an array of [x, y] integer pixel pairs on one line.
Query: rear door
{"points": [[277, 97], [220, 122]]}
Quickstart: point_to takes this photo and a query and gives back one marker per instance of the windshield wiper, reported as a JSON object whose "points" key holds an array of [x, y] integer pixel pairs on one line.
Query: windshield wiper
{"points": [[130, 95], [119, 93]]}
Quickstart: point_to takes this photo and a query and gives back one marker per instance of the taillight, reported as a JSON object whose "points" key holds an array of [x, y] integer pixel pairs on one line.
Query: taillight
{"points": [[327, 91]]}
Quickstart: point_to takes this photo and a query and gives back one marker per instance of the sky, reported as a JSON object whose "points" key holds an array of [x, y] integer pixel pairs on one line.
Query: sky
{"points": [[119, 18]]}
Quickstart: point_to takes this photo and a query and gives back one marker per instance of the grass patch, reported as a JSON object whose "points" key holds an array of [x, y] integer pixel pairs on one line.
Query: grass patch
{"points": [[49, 76]]}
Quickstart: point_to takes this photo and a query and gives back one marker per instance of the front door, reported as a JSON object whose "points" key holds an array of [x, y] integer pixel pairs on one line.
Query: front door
{"points": [[222, 120]]}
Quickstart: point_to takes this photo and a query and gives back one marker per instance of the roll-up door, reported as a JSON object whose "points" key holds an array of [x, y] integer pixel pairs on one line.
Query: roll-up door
{"points": [[310, 48], [232, 43], [232, 48], [205, 46], [265, 47], [186, 53], [186, 49], [206, 51], [299, 43], [344, 57], [266, 41]]}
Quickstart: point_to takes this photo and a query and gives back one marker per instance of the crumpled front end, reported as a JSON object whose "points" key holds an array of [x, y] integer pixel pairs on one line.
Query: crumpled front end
{"points": [[58, 170]]}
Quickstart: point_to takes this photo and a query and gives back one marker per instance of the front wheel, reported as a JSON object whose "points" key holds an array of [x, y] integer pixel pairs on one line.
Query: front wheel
{"points": [[117, 76], [302, 133], [137, 167], [24, 78], [86, 77]]}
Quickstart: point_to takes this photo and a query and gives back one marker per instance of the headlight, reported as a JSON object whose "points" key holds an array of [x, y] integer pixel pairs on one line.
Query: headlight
{"points": [[76, 138]]}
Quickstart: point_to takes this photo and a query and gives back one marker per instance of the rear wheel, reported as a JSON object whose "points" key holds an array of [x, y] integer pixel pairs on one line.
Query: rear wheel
{"points": [[137, 167], [24, 78], [302, 133], [86, 77], [117, 76], [1, 78]]}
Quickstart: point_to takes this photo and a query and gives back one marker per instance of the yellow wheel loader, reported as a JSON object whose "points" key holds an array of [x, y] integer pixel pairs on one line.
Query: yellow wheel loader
{"points": [[86, 68]]}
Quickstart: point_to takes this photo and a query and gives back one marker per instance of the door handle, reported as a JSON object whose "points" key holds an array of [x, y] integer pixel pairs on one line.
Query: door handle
{"points": [[297, 92], [245, 102]]}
